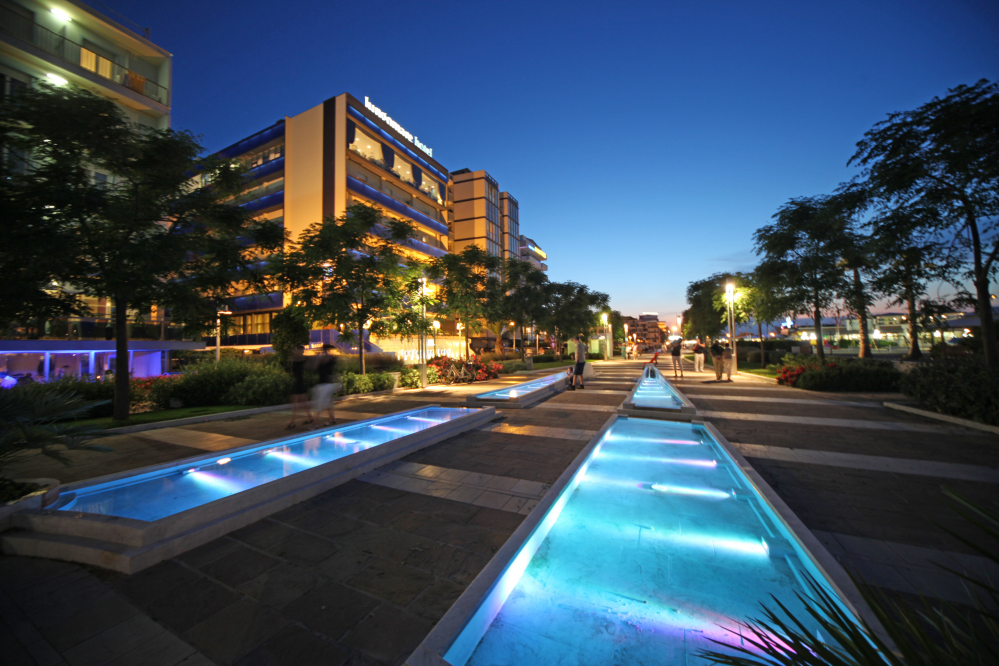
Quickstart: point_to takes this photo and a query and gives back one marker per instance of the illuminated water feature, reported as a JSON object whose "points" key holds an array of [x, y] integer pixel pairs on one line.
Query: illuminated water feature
{"points": [[169, 491], [519, 390], [654, 392], [657, 545]]}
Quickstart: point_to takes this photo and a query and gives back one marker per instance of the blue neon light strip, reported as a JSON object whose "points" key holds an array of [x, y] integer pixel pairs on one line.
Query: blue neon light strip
{"points": [[255, 141], [361, 118], [265, 169], [366, 190], [274, 199]]}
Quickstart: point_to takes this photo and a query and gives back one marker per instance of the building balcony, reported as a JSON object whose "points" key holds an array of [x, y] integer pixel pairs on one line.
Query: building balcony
{"points": [[70, 52]]}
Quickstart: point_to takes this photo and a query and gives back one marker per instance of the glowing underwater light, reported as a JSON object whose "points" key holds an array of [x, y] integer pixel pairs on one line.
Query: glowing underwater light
{"points": [[300, 460], [222, 461], [696, 492], [224, 484], [649, 440], [381, 427], [420, 418]]}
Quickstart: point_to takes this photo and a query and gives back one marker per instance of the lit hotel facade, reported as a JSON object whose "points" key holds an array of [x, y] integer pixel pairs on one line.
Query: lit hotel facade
{"points": [[316, 164]]}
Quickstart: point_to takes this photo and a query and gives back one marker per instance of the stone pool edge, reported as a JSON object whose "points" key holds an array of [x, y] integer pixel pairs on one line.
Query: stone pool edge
{"points": [[521, 401], [122, 544]]}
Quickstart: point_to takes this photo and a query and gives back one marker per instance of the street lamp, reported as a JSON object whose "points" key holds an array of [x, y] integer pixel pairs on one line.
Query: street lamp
{"points": [[730, 298], [218, 332], [423, 334], [609, 345], [624, 351]]}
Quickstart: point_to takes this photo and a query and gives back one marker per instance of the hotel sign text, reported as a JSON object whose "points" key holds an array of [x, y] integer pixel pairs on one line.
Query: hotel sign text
{"points": [[396, 126]]}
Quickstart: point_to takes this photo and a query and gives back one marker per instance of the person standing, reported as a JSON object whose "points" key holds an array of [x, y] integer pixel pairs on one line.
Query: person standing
{"points": [[299, 398], [716, 357], [674, 352], [322, 393], [698, 356], [577, 373], [727, 361]]}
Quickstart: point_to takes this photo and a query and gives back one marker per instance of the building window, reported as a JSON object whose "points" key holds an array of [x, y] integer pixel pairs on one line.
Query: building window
{"points": [[368, 148]]}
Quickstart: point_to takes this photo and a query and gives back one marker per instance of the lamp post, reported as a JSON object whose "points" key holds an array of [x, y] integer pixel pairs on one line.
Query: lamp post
{"points": [[730, 297], [513, 336], [218, 333], [624, 350], [607, 336], [423, 334], [437, 326]]}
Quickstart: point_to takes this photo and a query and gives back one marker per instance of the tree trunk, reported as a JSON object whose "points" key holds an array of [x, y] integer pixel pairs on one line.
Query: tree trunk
{"points": [[523, 349], [820, 351], [989, 346], [860, 308], [763, 353], [121, 372], [910, 299], [360, 346], [466, 344]]}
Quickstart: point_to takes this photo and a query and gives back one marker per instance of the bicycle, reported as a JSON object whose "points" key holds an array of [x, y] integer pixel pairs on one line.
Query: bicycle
{"points": [[458, 372]]}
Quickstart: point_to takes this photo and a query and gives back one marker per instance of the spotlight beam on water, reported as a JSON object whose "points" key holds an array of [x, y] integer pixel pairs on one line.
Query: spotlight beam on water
{"points": [[696, 492], [298, 460]]}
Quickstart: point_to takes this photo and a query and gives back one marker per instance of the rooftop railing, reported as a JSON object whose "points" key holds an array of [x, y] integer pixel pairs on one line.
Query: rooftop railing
{"points": [[68, 50]]}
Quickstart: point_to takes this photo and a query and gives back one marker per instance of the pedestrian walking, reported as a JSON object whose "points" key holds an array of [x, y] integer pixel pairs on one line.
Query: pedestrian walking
{"points": [[322, 393], [577, 373], [727, 361], [677, 359], [698, 356], [716, 357], [299, 398]]}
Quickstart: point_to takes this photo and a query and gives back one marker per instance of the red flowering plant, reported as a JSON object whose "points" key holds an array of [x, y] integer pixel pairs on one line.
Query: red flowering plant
{"points": [[792, 368]]}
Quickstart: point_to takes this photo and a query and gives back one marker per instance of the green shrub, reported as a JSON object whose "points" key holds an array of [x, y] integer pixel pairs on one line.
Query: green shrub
{"points": [[86, 389], [410, 377], [261, 389], [773, 356], [381, 381], [354, 384], [545, 358], [512, 366], [851, 375], [956, 386], [205, 384]]}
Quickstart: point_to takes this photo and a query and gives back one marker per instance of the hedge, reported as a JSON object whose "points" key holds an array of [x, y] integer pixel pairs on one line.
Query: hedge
{"points": [[805, 371], [956, 386]]}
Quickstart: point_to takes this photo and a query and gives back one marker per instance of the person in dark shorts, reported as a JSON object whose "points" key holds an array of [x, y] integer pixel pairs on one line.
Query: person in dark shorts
{"points": [[675, 351], [299, 397], [577, 373]]}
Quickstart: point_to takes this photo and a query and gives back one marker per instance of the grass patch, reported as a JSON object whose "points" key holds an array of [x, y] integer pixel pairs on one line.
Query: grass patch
{"points": [[762, 372], [161, 415]]}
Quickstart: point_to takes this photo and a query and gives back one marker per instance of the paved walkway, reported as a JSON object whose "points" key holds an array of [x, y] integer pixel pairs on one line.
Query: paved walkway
{"points": [[360, 574]]}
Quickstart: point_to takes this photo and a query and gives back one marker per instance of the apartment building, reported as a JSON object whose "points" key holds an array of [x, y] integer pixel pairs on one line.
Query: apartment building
{"points": [[64, 41]]}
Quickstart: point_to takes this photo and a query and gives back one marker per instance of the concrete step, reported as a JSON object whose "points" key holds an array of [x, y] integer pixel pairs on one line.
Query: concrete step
{"points": [[104, 554]]}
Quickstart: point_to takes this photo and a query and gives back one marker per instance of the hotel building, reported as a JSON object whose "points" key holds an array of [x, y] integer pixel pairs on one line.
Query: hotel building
{"points": [[61, 42], [316, 164]]}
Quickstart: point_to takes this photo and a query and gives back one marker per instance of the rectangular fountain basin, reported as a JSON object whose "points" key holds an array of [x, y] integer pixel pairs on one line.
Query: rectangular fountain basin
{"points": [[523, 395], [131, 520], [658, 538], [654, 397]]}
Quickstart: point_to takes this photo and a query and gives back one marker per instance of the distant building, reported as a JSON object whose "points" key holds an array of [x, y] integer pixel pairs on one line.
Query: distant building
{"points": [[648, 331], [477, 212], [531, 253]]}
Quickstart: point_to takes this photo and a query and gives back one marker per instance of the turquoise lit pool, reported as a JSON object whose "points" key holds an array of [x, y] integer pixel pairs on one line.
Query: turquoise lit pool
{"points": [[658, 544], [166, 492], [519, 390], [654, 392]]}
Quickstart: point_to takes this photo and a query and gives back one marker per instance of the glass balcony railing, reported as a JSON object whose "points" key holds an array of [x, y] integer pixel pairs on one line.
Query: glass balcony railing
{"points": [[65, 49]]}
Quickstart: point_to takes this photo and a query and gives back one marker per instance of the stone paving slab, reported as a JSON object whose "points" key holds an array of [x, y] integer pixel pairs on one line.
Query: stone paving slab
{"points": [[938, 470], [898, 426]]}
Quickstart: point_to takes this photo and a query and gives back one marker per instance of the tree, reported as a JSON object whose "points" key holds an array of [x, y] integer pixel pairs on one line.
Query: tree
{"points": [[704, 318], [856, 255], [801, 253], [572, 309], [151, 234], [289, 329], [944, 156], [348, 271], [906, 259], [752, 301], [517, 297], [464, 285]]}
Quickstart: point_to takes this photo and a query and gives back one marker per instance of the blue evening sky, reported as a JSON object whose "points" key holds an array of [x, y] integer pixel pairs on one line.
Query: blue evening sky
{"points": [[646, 142]]}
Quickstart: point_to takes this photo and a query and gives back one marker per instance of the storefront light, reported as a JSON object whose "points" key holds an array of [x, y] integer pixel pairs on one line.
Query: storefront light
{"points": [[56, 79], [61, 15]]}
